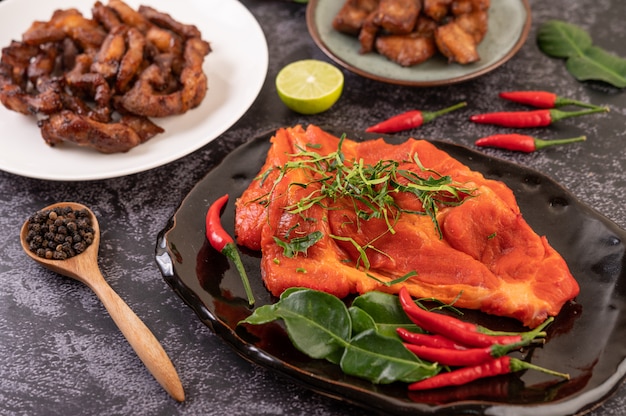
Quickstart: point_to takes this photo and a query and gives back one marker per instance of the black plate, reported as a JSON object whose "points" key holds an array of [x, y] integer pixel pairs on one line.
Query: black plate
{"points": [[586, 340]]}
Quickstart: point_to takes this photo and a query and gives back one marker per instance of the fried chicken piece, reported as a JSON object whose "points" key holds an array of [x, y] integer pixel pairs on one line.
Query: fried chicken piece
{"points": [[398, 17], [459, 7], [456, 44], [165, 40], [411, 49], [45, 101], [352, 15], [92, 85], [166, 21], [66, 126], [170, 66], [107, 60], [19, 54], [82, 76], [42, 32], [69, 52], [129, 16], [106, 16], [19, 61], [437, 9], [43, 65], [368, 32], [132, 60], [406, 50], [145, 128], [474, 23], [425, 26], [468, 21], [75, 104], [87, 33], [145, 100], [14, 64]]}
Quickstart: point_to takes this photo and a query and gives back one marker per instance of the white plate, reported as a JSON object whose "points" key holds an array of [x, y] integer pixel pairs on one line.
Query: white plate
{"points": [[236, 69], [509, 25]]}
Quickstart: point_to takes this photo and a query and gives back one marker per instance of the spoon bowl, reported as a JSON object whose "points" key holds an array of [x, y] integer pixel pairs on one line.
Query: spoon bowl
{"points": [[84, 268], [75, 267]]}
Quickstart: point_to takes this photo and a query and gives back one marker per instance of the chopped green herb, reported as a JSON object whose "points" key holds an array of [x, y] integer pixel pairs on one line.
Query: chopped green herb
{"points": [[370, 188], [298, 244], [394, 281]]}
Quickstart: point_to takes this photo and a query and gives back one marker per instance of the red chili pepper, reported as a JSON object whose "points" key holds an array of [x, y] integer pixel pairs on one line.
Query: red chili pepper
{"points": [[224, 243], [409, 120], [427, 340], [522, 143], [472, 356], [461, 332], [542, 99], [494, 367], [535, 118]]}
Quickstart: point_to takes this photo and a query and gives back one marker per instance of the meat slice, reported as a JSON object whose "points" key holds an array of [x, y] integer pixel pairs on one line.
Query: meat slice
{"points": [[437, 9], [474, 23], [398, 17], [456, 44], [66, 126], [406, 50], [352, 14], [459, 7], [485, 256], [367, 35], [144, 99]]}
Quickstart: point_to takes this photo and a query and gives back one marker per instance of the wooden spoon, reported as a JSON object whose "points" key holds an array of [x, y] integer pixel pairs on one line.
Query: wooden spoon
{"points": [[84, 268]]}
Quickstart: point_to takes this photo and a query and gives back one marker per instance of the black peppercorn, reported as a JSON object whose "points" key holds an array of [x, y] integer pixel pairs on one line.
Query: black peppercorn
{"points": [[59, 233]]}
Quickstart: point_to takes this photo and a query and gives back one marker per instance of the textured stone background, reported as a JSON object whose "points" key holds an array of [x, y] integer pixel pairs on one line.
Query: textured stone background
{"points": [[60, 353]]}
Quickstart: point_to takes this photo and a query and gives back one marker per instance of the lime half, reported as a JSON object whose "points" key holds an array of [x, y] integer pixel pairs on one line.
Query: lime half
{"points": [[309, 86]]}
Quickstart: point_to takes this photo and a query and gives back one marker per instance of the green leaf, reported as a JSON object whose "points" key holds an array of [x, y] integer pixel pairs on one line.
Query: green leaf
{"points": [[383, 360], [599, 65], [361, 320], [267, 313], [562, 40], [262, 315], [385, 311], [584, 61], [298, 244], [318, 323]]}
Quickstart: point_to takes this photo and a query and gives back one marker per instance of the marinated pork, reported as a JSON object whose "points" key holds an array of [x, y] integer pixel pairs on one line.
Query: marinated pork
{"points": [[478, 251]]}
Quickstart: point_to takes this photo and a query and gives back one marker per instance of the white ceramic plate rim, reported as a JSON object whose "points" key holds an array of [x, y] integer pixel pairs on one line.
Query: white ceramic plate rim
{"points": [[236, 69], [509, 24]]}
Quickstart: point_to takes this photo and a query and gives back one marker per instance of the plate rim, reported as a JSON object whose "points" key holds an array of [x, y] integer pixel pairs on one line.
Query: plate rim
{"points": [[317, 38]]}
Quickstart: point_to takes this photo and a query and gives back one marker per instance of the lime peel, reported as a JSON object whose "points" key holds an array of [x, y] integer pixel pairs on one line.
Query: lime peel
{"points": [[309, 86]]}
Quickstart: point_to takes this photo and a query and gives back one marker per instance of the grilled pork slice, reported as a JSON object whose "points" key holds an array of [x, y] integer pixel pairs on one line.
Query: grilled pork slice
{"points": [[485, 256]]}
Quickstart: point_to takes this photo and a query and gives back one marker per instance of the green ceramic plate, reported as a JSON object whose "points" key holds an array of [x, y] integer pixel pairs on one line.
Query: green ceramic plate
{"points": [[509, 25]]}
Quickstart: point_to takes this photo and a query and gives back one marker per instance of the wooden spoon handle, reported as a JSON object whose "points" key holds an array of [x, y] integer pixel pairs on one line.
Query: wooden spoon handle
{"points": [[140, 338]]}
